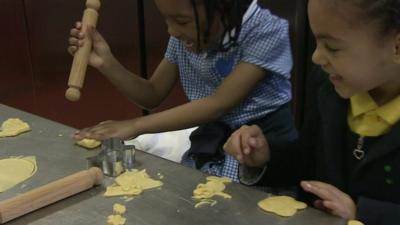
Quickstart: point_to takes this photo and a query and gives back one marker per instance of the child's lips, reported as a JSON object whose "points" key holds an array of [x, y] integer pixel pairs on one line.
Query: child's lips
{"points": [[334, 78]]}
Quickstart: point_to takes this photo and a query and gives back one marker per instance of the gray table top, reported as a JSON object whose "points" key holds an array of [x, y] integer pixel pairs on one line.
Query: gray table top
{"points": [[57, 157]]}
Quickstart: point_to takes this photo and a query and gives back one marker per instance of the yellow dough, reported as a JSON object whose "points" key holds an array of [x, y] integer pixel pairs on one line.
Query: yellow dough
{"points": [[16, 170], [113, 191], [281, 205], [88, 143], [354, 222], [214, 187], [119, 209], [131, 183], [13, 127], [116, 220]]}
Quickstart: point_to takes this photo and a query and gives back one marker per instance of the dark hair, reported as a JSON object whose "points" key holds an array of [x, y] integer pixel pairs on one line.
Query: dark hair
{"points": [[386, 12], [231, 12]]}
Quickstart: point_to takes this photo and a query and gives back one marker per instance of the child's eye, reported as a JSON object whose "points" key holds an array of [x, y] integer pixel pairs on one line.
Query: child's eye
{"points": [[331, 49], [182, 23]]}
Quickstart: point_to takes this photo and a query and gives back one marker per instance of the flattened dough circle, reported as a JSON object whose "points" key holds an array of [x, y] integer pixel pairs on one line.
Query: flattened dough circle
{"points": [[16, 170]]}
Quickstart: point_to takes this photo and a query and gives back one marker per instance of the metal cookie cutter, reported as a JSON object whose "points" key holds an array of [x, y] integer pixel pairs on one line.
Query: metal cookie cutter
{"points": [[115, 157]]}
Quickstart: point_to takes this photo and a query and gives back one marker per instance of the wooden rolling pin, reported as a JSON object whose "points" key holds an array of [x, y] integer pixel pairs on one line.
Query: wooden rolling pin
{"points": [[49, 193], [81, 57]]}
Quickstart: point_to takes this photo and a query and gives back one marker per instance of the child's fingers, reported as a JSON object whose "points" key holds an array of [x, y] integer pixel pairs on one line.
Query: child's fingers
{"points": [[75, 42], [332, 206], [79, 135], [72, 50], [332, 189], [256, 143], [248, 134], [76, 33], [232, 146], [94, 34], [246, 140], [252, 143], [319, 205], [105, 122], [319, 189], [337, 209], [78, 24]]}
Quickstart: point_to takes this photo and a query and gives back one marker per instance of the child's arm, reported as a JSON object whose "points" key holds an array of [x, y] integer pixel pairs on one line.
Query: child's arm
{"points": [[249, 145], [229, 94], [146, 93]]}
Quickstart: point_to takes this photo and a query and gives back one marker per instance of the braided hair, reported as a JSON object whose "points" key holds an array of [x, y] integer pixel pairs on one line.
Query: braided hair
{"points": [[231, 12]]}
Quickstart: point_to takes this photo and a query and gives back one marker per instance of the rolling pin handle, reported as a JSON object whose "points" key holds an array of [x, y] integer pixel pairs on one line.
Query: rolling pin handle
{"points": [[97, 174], [73, 94], [93, 4]]}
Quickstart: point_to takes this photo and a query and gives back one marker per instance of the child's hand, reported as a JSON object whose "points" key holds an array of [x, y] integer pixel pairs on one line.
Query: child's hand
{"points": [[333, 200], [101, 54], [249, 146], [108, 129]]}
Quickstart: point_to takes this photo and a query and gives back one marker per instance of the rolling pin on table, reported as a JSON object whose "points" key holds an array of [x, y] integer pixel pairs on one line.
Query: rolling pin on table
{"points": [[49, 193], [57, 157]]}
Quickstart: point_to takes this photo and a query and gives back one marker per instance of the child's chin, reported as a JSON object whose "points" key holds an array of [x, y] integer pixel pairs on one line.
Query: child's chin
{"points": [[344, 93]]}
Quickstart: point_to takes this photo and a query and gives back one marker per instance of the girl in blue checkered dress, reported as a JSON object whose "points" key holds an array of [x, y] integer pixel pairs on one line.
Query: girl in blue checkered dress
{"points": [[233, 60]]}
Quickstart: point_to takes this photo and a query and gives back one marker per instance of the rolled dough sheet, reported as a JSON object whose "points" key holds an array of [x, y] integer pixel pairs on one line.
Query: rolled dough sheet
{"points": [[13, 127], [16, 170]]}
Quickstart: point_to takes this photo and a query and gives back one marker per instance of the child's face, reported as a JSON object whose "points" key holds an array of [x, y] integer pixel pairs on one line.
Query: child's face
{"points": [[357, 57], [181, 21]]}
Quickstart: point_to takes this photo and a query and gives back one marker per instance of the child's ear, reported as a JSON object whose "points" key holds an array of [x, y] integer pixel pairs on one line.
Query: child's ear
{"points": [[397, 49]]}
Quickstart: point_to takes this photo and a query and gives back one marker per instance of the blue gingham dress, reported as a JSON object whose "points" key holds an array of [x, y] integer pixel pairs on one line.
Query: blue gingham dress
{"points": [[264, 42]]}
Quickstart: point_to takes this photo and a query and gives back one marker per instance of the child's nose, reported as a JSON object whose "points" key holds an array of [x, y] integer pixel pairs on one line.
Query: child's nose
{"points": [[317, 58]]}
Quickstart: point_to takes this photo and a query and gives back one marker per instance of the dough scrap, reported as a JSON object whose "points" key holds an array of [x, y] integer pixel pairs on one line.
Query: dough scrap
{"points": [[214, 187], [16, 170], [224, 180], [354, 222], [211, 202], [88, 143], [119, 209], [281, 205], [114, 191], [131, 183], [13, 127], [116, 220]]}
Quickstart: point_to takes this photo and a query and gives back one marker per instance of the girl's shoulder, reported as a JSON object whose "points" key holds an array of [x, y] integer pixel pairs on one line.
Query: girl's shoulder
{"points": [[264, 24]]}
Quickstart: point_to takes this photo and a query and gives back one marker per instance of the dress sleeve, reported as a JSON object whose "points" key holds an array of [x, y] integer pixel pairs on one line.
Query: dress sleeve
{"points": [[172, 50], [268, 46]]}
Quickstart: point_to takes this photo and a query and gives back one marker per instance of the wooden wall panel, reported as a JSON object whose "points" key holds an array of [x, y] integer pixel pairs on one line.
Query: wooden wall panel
{"points": [[16, 81]]}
